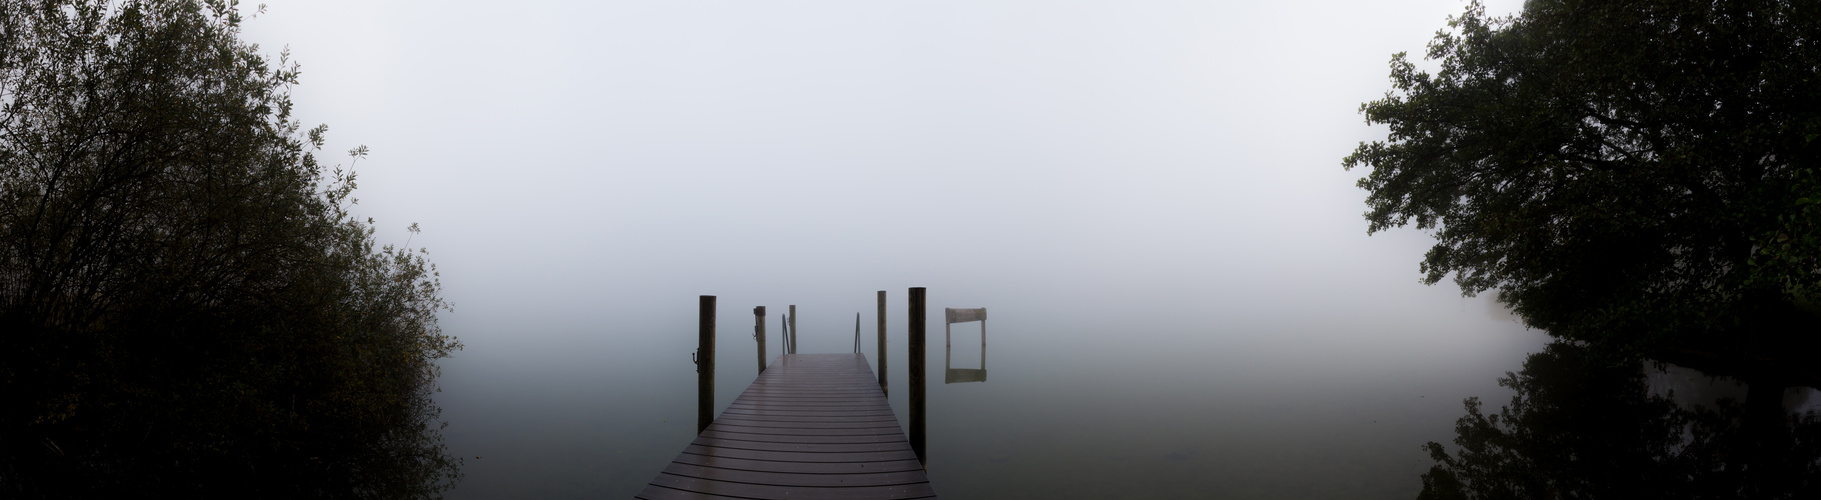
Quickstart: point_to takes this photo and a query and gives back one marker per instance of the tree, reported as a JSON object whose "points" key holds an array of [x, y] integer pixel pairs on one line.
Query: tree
{"points": [[187, 304], [1638, 175]]}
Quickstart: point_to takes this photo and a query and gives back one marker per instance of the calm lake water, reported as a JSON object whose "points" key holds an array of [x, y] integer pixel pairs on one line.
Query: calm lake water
{"points": [[1080, 401]]}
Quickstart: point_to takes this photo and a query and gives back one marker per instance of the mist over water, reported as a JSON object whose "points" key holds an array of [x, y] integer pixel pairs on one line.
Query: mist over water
{"points": [[1082, 401], [1147, 197]]}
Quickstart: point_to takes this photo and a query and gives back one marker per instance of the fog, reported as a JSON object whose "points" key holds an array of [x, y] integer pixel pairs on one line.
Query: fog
{"points": [[1148, 189], [594, 159]]}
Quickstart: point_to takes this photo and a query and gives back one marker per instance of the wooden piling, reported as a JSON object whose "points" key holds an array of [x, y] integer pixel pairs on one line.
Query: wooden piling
{"points": [[705, 365], [758, 333], [793, 329], [882, 386], [918, 405]]}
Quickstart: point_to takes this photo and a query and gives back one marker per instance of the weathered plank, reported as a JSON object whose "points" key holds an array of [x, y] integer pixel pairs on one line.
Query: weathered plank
{"points": [[745, 490], [788, 434], [965, 315], [798, 468], [787, 479], [812, 426], [800, 438]]}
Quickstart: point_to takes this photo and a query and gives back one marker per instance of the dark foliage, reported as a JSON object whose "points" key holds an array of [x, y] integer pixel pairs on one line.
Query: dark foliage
{"points": [[1582, 427], [187, 308], [1633, 174]]}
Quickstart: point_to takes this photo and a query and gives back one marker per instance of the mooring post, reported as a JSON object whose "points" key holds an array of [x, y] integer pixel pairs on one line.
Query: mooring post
{"points": [[758, 333], [705, 366], [793, 329], [917, 402], [882, 387]]}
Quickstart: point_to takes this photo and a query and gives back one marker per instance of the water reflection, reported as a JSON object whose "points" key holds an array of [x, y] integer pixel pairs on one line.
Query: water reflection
{"points": [[388, 453], [1587, 427], [950, 374]]}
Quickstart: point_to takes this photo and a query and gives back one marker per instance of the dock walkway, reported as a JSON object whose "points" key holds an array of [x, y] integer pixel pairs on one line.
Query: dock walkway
{"points": [[813, 426]]}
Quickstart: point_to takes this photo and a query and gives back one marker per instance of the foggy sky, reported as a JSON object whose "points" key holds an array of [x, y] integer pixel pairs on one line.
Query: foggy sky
{"points": [[592, 160]]}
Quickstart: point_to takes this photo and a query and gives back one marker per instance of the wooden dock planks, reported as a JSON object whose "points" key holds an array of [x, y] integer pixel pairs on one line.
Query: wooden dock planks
{"points": [[813, 426]]}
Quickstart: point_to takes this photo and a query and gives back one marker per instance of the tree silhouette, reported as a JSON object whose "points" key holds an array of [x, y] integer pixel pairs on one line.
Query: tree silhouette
{"points": [[1639, 175], [187, 305]]}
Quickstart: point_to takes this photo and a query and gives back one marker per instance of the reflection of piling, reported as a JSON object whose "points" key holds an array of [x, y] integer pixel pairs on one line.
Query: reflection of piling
{"points": [[882, 387], [951, 375], [917, 403], [758, 333], [705, 366], [793, 330]]}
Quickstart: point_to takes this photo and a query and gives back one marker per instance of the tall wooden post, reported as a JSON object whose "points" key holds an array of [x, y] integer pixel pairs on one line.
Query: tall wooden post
{"points": [[793, 329], [705, 366], [882, 386], [918, 406], [758, 333]]}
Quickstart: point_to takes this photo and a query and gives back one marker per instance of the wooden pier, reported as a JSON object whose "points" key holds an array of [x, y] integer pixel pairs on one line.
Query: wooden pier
{"points": [[813, 426]]}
